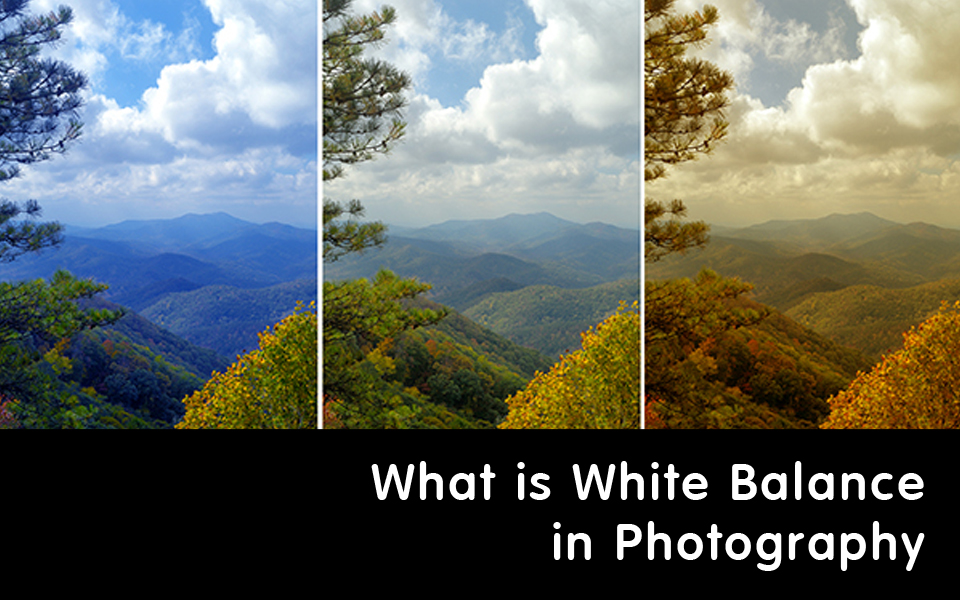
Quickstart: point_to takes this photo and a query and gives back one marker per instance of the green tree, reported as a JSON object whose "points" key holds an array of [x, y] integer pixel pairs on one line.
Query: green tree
{"points": [[39, 98], [359, 315], [362, 102], [684, 102]]}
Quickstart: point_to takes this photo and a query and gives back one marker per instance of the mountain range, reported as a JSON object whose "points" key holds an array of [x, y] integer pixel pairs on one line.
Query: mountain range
{"points": [[498, 270], [234, 277], [858, 279]]}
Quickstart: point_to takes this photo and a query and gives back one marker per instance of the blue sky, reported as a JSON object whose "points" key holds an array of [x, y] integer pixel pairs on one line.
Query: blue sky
{"points": [[193, 106], [518, 106], [184, 25], [840, 106], [452, 74]]}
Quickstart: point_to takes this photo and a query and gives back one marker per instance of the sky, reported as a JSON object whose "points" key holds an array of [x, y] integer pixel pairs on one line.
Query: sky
{"points": [[517, 106], [194, 106], [840, 107]]}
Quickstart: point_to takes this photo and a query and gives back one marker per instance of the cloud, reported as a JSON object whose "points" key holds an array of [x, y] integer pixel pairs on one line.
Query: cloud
{"points": [[263, 77], [424, 33], [559, 131], [879, 130], [263, 74], [235, 132], [900, 91], [100, 29], [584, 84]]}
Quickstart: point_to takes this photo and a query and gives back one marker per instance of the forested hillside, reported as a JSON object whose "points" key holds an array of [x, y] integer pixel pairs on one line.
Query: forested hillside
{"points": [[870, 318], [550, 318], [196, 292], [227, 319], [124, 374], [458, 372], [212, 279], [536, 279], [857, 279], [452, 374], [716, 359]]}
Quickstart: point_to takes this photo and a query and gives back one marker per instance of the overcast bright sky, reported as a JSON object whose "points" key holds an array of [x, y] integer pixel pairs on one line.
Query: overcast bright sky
{"points": [[840, 106], [518, 106], [194, 106]]}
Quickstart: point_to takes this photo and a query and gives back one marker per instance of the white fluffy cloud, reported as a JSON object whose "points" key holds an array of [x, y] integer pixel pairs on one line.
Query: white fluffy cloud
{"points": [[236, 132], [263, 75], [100, 27]]}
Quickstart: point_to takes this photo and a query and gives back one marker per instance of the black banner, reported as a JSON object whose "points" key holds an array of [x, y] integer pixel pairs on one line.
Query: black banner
{"points": [[866, 507]]}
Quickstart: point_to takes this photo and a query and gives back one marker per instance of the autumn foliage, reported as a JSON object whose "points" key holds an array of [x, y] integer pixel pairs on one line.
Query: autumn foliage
{"points": [[8, 418], [917, 387], [274, 387], [596, 387]]}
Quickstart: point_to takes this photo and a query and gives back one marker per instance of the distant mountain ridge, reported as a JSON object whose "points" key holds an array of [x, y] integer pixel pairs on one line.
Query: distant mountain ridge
{"points": [[528, 249], [491, 261], [490, 233], [827, 230], [512, 232], [147, 262]]}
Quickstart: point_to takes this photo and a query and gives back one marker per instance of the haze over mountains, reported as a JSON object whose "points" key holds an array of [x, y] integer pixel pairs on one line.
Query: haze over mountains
{"points": [[212, 279], [501, 272], [858, 279]]}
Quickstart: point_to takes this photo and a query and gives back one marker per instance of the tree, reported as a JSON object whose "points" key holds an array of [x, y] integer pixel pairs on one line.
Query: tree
{"points": [[362, 102], [680, 317], [359, 96], [39, 98], [684, 102], [358, 316], [917, 387], [274, 387], [596, 387], [340, 238]]}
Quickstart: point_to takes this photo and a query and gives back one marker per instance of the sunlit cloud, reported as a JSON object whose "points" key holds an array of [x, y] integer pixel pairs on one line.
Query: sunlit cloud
{"points": [[878, 130]]}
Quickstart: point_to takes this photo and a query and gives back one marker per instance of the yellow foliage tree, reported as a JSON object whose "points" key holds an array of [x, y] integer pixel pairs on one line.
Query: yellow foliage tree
{"points": [[274, 387], [596, 387], [917, 387]]}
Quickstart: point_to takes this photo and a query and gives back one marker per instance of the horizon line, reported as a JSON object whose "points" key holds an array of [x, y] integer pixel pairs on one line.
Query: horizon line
{"points": [[188, 214]]}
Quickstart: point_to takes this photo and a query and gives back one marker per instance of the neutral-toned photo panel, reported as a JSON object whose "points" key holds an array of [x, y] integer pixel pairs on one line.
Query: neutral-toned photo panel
{"points": [[481, 210]]}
